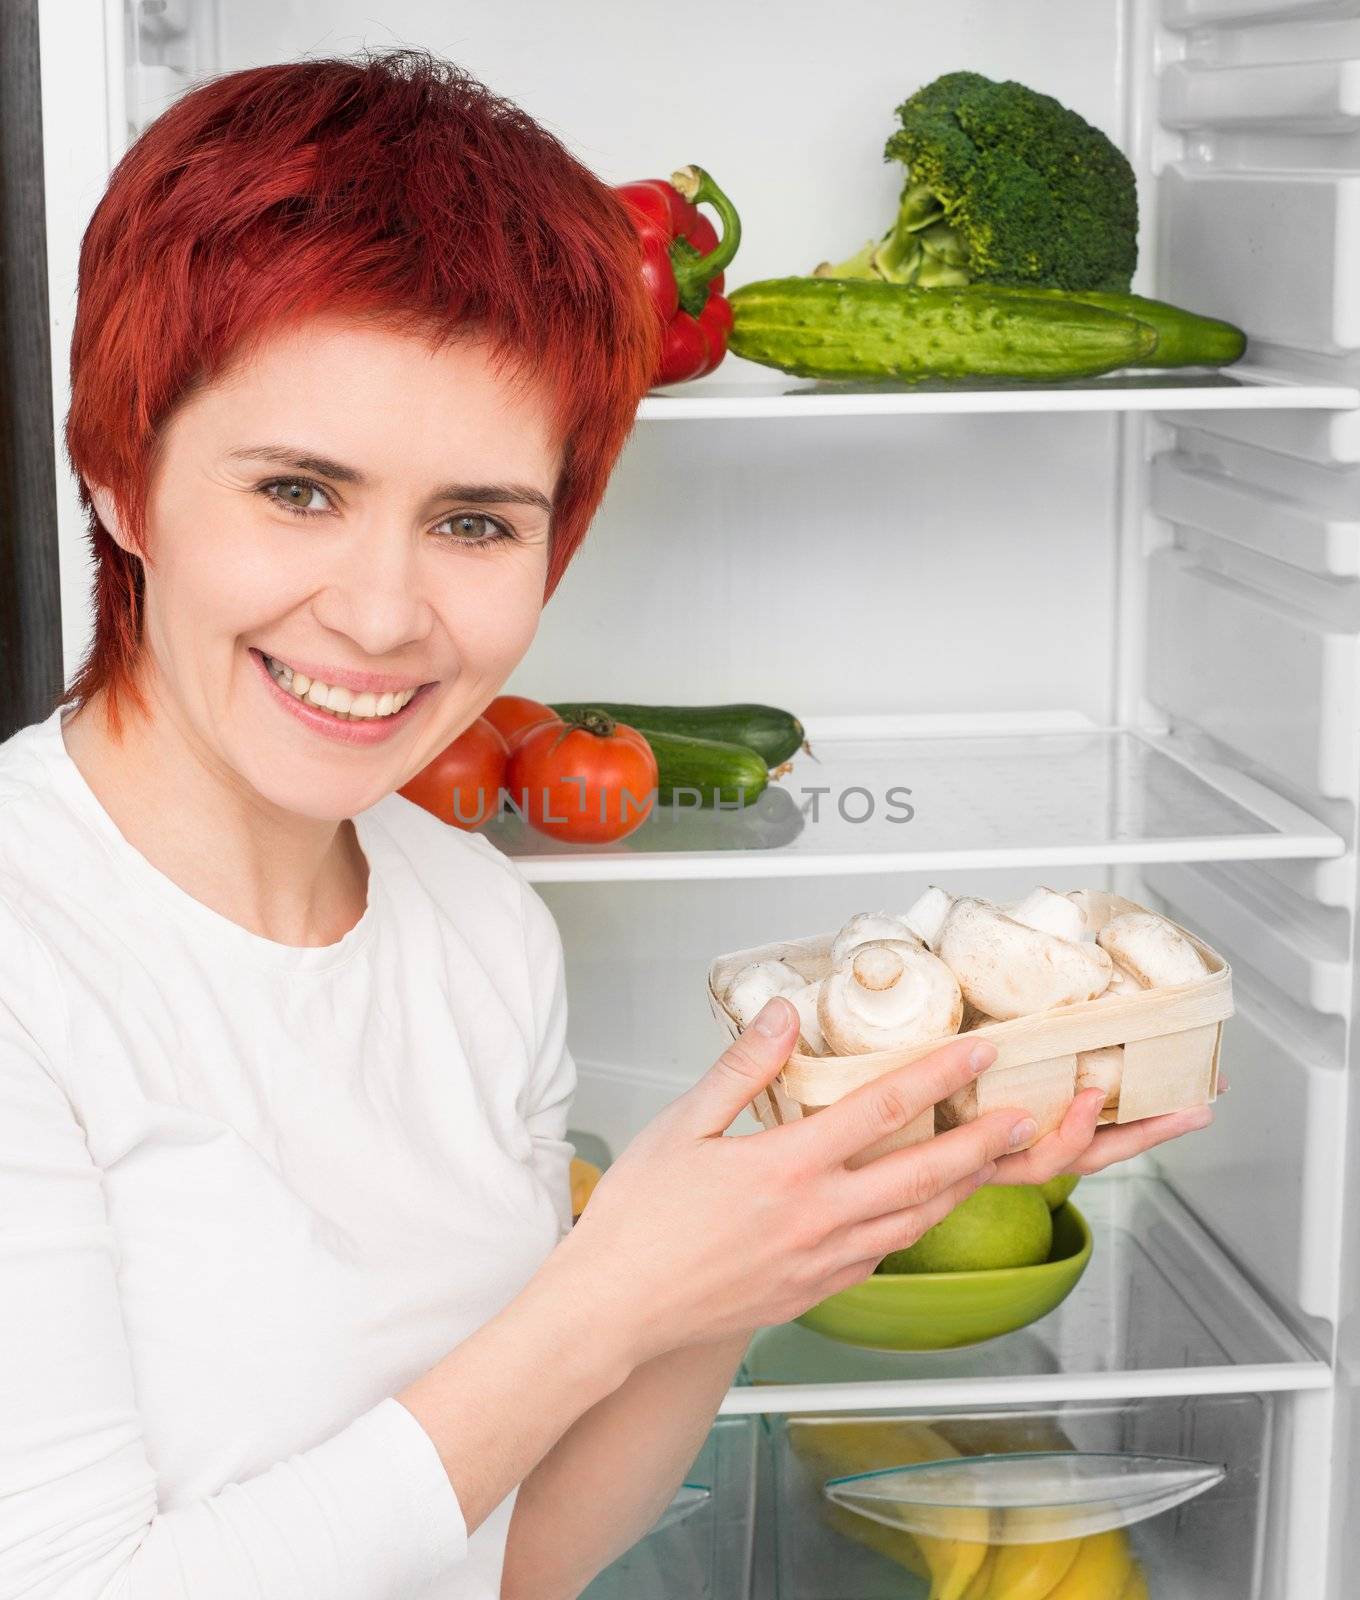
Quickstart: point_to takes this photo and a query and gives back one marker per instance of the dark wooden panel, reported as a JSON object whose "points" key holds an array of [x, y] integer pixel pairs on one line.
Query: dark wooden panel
{"points": [[30, 596]]}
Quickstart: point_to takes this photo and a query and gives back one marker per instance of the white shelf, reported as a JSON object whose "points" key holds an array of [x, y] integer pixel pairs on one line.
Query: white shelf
{"points": [[1241, 388], [986, 792], [1160, 1310]]}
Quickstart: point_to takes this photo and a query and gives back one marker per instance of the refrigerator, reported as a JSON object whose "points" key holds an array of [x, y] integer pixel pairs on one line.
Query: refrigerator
{"points": [[1106, 633]]}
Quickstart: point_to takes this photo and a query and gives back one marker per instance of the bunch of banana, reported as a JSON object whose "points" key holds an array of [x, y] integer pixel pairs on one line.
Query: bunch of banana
{"points": [[976, 1563]]}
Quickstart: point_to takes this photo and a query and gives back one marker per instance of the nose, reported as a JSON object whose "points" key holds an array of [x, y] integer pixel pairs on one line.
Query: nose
{"points": [[375, 593]]}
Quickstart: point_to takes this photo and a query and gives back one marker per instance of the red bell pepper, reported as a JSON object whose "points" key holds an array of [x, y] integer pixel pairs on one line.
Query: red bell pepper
{"points": [[682, 266]]}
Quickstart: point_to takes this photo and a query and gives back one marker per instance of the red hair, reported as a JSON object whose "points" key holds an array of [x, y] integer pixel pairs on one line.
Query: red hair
{"points": [[393, 185]]}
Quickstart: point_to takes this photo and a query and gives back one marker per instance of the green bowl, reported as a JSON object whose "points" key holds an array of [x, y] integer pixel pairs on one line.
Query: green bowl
{"points": [[943, 1310]]}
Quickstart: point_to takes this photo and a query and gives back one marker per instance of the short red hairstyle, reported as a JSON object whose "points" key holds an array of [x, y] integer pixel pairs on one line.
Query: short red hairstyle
{"points": [[391, 184]]}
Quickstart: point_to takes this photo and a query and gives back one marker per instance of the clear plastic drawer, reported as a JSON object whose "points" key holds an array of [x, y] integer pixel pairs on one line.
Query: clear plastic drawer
{"points": [[1122, 1499], [701, 1546]]}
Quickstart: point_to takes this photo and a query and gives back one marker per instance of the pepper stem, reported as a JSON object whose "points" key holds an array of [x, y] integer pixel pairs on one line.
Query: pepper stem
{"points": [[693, 274]]}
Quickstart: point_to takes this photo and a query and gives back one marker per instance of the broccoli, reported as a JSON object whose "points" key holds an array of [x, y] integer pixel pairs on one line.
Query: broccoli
{"points": [[1006, 186]]}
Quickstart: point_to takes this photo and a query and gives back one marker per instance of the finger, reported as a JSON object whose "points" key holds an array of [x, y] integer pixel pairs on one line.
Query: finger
{"points": [[898, 1230], [916, 1175], [749, 1064], [888, 1104], [1057, 1151], [1133, 1138]]}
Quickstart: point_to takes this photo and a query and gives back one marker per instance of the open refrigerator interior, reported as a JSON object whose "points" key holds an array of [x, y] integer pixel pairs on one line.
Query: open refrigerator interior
{"points": [[1106, 633]]}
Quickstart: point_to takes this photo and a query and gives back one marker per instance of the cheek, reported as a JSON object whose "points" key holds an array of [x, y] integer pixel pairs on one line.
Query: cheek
{"points": [[492, 612], [218, 560]]}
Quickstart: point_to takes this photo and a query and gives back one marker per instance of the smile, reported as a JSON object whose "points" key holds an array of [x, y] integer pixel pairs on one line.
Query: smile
{"points": [[340, 703]]}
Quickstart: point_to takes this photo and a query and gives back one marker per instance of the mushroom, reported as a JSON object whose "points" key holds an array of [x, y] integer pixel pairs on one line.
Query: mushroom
{"points": [[926, 914], [1049, 912], [1009, 970], [757, 983], [887, 994], [1102, 1069], [1156, 954], [811, 1039], [1121, 985], [867, 925]]}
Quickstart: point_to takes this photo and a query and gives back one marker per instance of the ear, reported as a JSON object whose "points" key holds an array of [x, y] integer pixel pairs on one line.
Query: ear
{"points": [[107, 510]]}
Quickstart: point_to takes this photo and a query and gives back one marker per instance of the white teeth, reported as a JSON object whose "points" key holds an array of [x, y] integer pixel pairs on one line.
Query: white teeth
{"points": [[339, 702]]}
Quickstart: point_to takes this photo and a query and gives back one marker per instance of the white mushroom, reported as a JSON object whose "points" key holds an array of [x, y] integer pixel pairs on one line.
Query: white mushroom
{"points": [[867, 925], [1049, 912], [1102, 1069], [1147, 946], [757, 983], [811, 1039], [1008, 970], [926, 914], [887, 994], [1121, 985]]}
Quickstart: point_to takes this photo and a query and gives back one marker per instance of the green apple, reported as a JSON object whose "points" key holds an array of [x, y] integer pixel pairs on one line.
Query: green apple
{"points": [[999, 1225], [1057, 1191]]}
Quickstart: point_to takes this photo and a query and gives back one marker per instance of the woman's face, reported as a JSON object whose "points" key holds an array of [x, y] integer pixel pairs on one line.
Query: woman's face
{"points": [[348, 501]]}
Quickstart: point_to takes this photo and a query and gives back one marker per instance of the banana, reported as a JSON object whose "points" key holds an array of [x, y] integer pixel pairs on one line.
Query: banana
{"points": [[1032, 1571], [837, 1449], [1101, 1570], [981, 1586], [954, 1566], [1136, 1588], [894, 1543]]}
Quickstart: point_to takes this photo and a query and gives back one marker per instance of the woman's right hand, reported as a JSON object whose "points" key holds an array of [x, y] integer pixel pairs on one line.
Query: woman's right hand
{"points": [[691, 1237]]}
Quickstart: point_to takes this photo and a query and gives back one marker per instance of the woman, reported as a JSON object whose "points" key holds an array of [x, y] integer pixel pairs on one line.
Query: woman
{"points": [[294, 1304]]}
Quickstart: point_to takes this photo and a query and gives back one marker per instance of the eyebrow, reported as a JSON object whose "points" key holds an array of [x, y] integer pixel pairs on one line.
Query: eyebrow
{"points": [[482, 494]]}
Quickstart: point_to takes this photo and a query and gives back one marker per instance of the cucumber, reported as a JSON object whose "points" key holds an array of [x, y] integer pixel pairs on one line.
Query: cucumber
{"points": [[767, 730], [1184, 338], [854, 328], [729, 774]]}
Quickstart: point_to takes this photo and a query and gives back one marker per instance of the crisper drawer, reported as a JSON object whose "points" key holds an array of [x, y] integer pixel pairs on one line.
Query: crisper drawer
{"points": [[701, 1547], [1149, 1499]]}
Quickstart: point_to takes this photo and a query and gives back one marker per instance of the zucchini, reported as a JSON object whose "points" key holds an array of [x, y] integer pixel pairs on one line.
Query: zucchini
{"points": [[727, 774], [856, 328], [770, 732], [1184, 338]]}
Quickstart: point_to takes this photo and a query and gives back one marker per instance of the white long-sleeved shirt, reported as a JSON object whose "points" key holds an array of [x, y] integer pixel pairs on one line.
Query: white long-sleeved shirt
{"points": [[248, 1191]]}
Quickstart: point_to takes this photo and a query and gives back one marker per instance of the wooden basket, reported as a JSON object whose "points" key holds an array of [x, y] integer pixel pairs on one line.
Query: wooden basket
{"points": [[1171, 1040]]}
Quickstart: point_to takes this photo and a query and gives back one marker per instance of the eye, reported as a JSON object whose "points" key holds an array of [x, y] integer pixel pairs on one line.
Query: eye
{"points": [[296, 494], [472, 527]]}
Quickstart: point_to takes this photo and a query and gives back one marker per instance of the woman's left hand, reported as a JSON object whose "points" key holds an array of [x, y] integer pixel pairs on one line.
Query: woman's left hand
{"points": [[1078, 1145]]}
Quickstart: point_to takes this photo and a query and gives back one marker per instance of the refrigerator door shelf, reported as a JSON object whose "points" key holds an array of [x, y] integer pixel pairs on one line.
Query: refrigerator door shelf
{"points": [[906, 793], [1278, 683], [1027, 1496]]}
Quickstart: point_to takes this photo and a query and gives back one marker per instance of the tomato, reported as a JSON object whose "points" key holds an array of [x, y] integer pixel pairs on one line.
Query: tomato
{"points": [[462, 784], [513, 714], [588, 778]]}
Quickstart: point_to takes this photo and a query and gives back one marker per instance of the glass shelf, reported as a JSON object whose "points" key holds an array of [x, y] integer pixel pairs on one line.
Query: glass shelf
{"points": [[776, 395], [1161, 1310], [884, 794]]}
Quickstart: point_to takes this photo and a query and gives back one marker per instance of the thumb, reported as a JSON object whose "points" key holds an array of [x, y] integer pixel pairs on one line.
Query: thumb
{"points": [[748, 1065]]}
